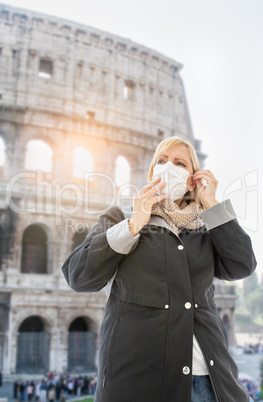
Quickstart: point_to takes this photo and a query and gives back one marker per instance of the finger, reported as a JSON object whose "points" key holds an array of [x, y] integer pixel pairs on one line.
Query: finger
{"points": [[203, 173], [209, 186], [200, 186], [150, 185], [202, 170], [154, 189], [150, 192], [206, 176], [199, 183], [158, 198]]}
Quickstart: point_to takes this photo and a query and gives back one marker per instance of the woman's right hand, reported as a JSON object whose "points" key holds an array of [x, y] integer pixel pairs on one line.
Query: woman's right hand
{"points": [[142, 205]]}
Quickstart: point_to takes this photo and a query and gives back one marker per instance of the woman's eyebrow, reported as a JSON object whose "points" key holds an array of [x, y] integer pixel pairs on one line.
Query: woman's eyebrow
{"points": [[181, 159]]}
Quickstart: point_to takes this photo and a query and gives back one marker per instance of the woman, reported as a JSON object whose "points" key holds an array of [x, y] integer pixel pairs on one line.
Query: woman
{"points": [[162, 339]]}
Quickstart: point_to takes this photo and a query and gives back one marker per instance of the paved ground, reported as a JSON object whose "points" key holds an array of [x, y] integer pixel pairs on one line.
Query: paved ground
{"points": [[249, 364], [6, 391]]}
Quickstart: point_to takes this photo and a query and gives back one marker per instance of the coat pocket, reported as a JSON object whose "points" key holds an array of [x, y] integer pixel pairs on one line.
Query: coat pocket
{"points": [[108, 352], [156, 296]]}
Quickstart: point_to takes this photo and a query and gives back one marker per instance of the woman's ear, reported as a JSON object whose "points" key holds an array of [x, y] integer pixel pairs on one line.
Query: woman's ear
{"points": [[192, 186]]}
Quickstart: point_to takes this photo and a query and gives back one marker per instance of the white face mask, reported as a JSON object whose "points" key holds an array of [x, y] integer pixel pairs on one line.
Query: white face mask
{"points": [[176, 178]]}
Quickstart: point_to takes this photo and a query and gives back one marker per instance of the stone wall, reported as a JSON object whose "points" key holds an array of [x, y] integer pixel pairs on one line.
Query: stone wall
{"points": [[67, 68]]}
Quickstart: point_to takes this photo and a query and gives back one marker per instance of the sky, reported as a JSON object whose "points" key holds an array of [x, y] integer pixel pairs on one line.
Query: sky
{"points": [[219, 43]]}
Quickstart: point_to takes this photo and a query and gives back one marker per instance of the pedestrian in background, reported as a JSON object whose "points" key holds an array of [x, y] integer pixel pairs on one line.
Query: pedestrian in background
{"points": [[51, 394], [58, 388], [43, 391], [29, 390]]}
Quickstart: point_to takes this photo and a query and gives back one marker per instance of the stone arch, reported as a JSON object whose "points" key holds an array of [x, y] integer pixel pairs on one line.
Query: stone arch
{"points": [[81, 345], [91, 319], [122, 173], [33, 346], [33, 323], [83, 161], [38, 154], [135, 159], [22, 316], [34, 250], [37, 241], [40, 135], [80, 323], [51, 141]]}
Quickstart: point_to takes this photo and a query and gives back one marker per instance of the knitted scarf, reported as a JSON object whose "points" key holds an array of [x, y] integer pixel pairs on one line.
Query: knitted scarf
{"points": [[186, 215]]}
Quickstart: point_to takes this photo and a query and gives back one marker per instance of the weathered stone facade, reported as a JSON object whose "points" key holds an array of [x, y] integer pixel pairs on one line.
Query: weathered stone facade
{"points": [[70, 86]]}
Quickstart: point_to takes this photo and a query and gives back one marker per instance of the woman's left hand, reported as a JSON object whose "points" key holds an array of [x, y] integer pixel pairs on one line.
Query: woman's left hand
{"points": [[207, 193]]}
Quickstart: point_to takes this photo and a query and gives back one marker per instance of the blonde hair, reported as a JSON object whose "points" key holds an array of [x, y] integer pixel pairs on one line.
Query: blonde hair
{"points": [[163, 146]]}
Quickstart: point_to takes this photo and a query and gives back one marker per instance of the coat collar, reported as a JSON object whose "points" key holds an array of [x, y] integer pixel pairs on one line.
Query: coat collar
{"points": [[158, 221]]}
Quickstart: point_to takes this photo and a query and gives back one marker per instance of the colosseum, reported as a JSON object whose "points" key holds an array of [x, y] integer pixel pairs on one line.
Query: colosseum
{"points": [[81, 112]]}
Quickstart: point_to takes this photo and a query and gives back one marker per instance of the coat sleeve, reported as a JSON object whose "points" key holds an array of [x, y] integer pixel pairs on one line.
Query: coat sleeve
{"points": [[92, 264], [234, 256]]}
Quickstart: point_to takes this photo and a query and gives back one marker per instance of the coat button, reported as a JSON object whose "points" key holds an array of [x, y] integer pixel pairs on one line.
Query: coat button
{"points": [[188, 305], [166, 306], [186, 370], [211, 362], [196, 305], [180, 247]]}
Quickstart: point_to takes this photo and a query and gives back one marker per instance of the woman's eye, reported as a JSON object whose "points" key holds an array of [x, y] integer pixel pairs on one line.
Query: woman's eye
{"points": [[161, 161], [181, 163]]}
